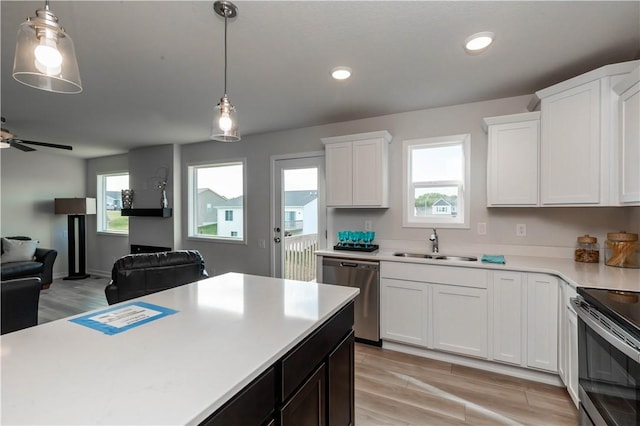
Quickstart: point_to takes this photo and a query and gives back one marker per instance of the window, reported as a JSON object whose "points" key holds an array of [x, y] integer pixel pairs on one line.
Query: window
{"points": [[109, 201], [216, 203], [436, 176]]}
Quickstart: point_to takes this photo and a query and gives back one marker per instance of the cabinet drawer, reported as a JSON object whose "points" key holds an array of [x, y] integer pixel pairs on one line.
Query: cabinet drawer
{"points": [[251, 406], [302, 360], [466, 277]]}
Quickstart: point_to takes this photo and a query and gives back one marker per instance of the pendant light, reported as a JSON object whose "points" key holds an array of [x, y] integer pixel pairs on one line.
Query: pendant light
{"points": [[225, 124], [45, 57]]}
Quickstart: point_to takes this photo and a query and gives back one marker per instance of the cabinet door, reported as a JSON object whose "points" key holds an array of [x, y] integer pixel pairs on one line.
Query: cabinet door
{"points": [[460, 320], [563, 337], [572, 354], [512, 169], [339, 169], [340, 384], [508, 321], [368, 183], [404, 309], [307, 406], [570, 146], [542, 322], [251, 406], [630, 145]]}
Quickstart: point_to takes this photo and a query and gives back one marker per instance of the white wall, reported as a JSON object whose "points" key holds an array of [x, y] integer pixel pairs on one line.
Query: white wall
{"points": [[30, 183]]}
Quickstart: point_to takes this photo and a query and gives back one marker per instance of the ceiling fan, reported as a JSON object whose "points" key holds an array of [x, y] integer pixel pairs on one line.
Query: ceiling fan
{"points": [[8, 139]]}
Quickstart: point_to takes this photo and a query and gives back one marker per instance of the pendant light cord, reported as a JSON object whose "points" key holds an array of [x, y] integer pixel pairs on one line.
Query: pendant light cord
{"points": [[225, 50]]}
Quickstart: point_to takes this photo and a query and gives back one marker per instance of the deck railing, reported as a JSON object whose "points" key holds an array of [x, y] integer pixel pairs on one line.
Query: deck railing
{"points": [[299, 257]]}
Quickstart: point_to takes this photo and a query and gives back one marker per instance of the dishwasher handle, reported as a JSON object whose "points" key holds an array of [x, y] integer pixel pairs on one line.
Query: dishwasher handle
{"points": [[349, 263]]}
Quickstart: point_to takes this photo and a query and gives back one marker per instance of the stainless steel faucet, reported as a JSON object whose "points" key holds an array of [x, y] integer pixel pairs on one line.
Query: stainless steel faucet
{"points": [[434, 241]]}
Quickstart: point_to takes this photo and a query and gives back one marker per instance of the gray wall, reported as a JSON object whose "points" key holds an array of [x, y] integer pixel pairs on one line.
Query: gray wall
{"points": [[30, 182], [549, 230]]}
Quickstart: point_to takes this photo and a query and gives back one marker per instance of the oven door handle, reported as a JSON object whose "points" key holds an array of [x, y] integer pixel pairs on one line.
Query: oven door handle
{"points": [[603, 332]]}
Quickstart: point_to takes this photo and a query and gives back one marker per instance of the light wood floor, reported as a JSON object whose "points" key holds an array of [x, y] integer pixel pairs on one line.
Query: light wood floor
{"points": [[392, 388], [70, 297]]}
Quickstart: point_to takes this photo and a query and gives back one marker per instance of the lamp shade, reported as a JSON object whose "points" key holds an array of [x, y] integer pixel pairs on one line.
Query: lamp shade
{"points": [[45, 57], [75, 206]]}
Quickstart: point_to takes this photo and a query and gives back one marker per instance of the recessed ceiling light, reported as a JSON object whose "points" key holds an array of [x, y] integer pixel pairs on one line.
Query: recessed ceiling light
{"points": [[341, 73], [478, 42]]}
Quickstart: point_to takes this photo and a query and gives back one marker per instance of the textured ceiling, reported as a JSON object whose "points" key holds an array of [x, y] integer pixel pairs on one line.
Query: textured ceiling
{"points": [[152, 72]]}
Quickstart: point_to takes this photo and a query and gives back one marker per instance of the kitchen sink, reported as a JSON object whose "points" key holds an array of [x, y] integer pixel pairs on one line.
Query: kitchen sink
{"points": [[435, 256], [418, 255], [463, 258]]}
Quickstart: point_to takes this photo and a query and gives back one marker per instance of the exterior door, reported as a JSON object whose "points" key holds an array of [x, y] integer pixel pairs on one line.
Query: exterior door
{"points": [[299, 216]]}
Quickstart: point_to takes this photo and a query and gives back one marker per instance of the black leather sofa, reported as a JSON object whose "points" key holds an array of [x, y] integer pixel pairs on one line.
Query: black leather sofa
{"points": [[19, 308], [136, 275], [41, 266]]}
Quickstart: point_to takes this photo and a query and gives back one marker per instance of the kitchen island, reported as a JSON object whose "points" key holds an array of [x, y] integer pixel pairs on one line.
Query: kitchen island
{"points": [[229, 332]]}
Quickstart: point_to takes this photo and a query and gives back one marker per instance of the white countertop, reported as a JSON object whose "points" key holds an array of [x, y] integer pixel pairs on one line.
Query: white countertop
{"points": [[174, 370], [575, 273]]}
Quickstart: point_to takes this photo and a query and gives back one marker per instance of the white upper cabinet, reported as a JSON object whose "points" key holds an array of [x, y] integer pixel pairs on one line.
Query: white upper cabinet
{"points": [[579, 138], [629, 136], [512, 162], [570, 162], [357, 170]]}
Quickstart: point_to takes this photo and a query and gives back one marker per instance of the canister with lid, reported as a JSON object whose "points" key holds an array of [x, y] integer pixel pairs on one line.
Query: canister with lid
{"points": [[622, 250], [587, 249]]}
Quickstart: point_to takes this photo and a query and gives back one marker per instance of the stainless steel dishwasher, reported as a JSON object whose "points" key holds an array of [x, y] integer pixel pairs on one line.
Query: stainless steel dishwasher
{"points": [[364, 275]]}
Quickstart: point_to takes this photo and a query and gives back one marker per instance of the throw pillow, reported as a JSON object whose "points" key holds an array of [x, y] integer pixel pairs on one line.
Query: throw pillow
{"points": [[18, 250]]}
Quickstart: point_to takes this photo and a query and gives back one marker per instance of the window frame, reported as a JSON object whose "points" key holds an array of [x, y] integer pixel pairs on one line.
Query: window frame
{"points": [[192, 208], [409, 220], [101, 207]]}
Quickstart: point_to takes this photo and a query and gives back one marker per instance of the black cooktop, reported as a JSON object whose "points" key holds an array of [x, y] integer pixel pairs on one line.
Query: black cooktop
{"points": [[621, 306]]}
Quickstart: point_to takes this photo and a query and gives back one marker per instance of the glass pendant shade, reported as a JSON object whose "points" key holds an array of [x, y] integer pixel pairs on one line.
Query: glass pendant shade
{"points": [[45, 57], [225, 122]]}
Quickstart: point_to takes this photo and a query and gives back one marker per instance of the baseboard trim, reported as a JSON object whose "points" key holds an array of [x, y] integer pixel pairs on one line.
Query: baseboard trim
{"points": [[480, 364]]}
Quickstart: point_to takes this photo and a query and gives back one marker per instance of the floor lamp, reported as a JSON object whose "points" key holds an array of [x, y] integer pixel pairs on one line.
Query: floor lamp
{"points": [[76, 209]]}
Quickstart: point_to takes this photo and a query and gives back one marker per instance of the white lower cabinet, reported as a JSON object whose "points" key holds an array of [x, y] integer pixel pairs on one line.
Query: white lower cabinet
{"points": [[404, 311], [525, 320], [509, 316], [460, 320], [542, 322], [504, 316]]}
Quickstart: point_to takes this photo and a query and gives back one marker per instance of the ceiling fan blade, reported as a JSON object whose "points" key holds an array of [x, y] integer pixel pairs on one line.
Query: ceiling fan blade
{"points": [[16, 144], [50, 145]]}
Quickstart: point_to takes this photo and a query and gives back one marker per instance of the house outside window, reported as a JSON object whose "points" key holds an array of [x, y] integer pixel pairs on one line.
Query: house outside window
{"points": [[217, 204], [109, 203], [436, 182]]}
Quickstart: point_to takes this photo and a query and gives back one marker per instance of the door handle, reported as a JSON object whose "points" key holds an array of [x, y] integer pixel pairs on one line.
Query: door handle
{"points": [[276, 239]]}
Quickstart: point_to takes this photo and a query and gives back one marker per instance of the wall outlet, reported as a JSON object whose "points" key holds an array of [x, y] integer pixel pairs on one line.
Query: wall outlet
{"points": [[368, 225], [482, 228], [521, 230], [262, 243]]}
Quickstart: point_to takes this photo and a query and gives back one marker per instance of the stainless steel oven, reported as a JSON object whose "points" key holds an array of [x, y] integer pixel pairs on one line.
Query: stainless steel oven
{"points": [[608, 356]]}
